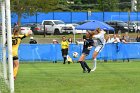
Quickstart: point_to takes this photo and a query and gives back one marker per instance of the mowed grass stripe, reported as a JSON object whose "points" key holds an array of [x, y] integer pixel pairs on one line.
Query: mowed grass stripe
{"points": [[111, 77]]}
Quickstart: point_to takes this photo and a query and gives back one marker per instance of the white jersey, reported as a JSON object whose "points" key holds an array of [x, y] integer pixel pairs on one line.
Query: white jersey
{"points": [[100, 38], [100, 41]]}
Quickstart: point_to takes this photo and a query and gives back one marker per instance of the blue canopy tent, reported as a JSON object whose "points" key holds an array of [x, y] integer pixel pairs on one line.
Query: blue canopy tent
{"points": [[93, 25]]}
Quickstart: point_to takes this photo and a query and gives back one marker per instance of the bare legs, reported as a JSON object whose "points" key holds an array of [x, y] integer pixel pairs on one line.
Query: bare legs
{"points": [[16, 66], [94, 60]]}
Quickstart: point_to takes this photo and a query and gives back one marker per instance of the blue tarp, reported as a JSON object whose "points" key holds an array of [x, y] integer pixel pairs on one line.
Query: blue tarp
{"points": [[93, 25], [52, 52]]}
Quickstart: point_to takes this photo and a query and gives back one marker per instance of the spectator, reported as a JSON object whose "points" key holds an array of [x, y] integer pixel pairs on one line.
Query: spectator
{"points": [[55, 42], [32, 40], [126, 37], [70, 40], [123, 40], [115, 39], [138, 38], [64, 48], [108, 39]]}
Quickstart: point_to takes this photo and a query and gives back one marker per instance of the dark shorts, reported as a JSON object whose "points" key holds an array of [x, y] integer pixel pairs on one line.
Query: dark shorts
{"points": [[64, 52], [15, 58], [86, 51]]}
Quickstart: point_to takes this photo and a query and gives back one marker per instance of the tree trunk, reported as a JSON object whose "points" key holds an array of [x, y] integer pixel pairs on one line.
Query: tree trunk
{"points": [[19, 21]]}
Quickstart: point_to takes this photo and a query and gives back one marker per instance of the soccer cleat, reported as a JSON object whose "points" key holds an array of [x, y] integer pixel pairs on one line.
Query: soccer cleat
{"points": [[14, 78], [93, 69], [89, 70]]}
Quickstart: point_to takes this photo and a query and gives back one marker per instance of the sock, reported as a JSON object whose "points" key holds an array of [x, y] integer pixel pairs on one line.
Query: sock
{"points": [[86, 65], [82, 65], [94, 64], [65, 60], [15, 71]]}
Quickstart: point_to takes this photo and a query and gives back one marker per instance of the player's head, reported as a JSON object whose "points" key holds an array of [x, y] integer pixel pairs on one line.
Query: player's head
{"points": [[98, 30], [16, 31], [89, 34], [63, 38]]}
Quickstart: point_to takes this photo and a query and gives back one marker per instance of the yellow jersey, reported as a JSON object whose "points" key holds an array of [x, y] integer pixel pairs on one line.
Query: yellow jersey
{"points": [[64, 44], [16, 40]]}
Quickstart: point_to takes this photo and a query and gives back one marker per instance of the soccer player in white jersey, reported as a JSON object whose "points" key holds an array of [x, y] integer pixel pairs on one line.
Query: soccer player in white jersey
{"points": [[99, 36]]}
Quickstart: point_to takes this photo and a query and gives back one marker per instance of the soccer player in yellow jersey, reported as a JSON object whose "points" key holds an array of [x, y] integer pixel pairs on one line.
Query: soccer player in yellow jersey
{"points": [[16, 40], [64, 48]]}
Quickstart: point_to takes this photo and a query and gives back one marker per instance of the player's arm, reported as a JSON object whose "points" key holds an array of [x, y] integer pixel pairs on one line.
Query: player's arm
{"points": [[26, 35], [96, 36], [23, 36], [89, 42], [68, 44], [103, 32], [29, 33]]}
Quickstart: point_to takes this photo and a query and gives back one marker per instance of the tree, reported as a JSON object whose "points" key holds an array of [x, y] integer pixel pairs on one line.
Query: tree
{"points": [[30, 7], [108, 5]]}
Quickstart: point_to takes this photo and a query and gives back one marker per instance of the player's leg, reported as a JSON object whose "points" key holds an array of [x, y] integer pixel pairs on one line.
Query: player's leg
{"points": [[94, 60], [15, 66], [86, 65], [82, 57], [95, 54], [65, 58], [86, 52], [64, 55]]}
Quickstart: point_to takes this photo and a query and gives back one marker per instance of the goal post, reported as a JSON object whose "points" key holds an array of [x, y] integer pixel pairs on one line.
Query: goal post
{"points": [[9, 42], [6, 71], [4, 85], [3, 40]]}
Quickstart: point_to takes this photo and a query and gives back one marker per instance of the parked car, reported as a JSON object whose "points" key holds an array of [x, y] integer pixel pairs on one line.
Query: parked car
{"points": [[25, 29], [135, 24], [77, 31], [38, 29], [55, 27], [120, 26]]}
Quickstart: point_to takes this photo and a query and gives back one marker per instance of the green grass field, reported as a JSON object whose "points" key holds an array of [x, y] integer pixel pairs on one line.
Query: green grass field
{"points": [[111, 77]]}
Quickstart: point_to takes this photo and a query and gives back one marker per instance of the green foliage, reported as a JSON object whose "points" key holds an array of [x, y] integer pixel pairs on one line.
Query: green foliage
{"points": [[107, 5], [78, 1], [102, 5], [30, 7]]}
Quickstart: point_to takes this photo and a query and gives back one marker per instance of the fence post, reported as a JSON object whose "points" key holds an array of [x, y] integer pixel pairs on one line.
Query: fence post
{"points": [[44, 31]]}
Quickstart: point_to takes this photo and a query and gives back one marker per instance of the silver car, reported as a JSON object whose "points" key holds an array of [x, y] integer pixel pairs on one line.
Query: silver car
{"points": [[136, 25]]}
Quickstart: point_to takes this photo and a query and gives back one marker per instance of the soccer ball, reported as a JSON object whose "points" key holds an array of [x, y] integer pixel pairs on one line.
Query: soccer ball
{"points": [[75, 54]]}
